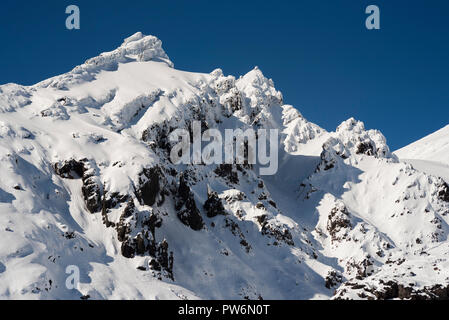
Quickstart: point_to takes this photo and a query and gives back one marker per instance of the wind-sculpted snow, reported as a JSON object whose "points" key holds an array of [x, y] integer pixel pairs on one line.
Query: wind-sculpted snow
{"points": [[13, 96], [87, 181], [356, 140], [135, 48], [298, 130]]}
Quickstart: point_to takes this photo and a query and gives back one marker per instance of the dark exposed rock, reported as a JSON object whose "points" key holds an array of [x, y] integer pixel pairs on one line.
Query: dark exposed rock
{"points": [[365, 268], [238, 196], [338, 220], [112, 200], [333, 279], [260, 205], [443, 193], [123, 227], [129, 210], [184, 192], [155, 265], [438, 292], [362, 268], [158, 135], [152, 247], [235, 229], [263, 196], [244, 243], [104, 212], [70, 169], [153, 222], [145, 241], [92, 193], [188, 212], [128, 250], [140, 245], [404, 292], [191, 217], [163, 254], [327, 162], [123, 230], [393, 290], [280, 233], [162, 259], [234, 102], [91, 190], [247, 150], [365, 148], [227, 172], [213, 205], [149, 186], [70, 235], [262, 219]]}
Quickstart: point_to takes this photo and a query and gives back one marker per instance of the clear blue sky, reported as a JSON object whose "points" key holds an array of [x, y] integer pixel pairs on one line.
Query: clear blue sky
{"points": [[318, 52]]}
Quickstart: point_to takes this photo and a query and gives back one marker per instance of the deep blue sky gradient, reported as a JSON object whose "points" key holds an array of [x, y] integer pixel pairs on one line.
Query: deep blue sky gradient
{"points": [[318, 52]]}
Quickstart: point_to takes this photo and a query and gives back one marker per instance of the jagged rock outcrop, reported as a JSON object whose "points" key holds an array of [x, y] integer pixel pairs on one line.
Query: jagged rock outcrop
{"points": [[333, 279], [339, 223], [85, 170], [213, 205], [149, 186], [188, 212], [92, 190], [390, 290], [70, 169], [228, 172], [443, 192], [272, 229]]}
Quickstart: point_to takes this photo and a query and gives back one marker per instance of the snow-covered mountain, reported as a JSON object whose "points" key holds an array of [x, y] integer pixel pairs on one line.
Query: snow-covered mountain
{"points": [[430, 154], [87, 181]]}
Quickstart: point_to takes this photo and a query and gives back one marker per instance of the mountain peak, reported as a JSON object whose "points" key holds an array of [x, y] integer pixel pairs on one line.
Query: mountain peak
{"points": [[135, 37], [136, 48], [144, 48], [88, 178]]}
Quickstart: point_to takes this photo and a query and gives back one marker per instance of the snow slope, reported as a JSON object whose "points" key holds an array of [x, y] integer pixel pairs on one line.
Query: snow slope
{"points": [[87, 181], [434, 147], [430, 154]]}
